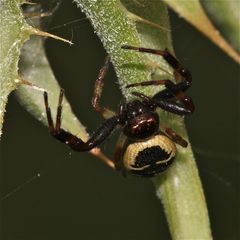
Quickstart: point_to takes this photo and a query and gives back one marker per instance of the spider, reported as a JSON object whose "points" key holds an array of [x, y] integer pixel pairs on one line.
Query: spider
{"points": [[146, 147]]}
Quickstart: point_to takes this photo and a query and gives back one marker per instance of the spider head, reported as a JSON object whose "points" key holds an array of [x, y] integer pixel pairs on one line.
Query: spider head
{"points": [[142, 122]]}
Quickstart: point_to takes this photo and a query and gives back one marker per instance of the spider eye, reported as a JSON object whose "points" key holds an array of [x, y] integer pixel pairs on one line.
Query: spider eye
{"points": [[184, 72]]}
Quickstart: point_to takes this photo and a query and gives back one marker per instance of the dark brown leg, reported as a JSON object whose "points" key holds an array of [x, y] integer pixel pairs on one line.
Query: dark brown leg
{"points": [[166, 104], [105, 112], [172, 106], [173, 89], [67, 137], [148, 83], [142, 96], [59, 111], [176, 65], [180, 95], [49, 114], [74, 142], [174, 136]]}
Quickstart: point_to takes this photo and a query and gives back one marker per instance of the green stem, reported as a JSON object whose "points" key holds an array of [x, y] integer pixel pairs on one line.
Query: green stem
{"points": [[179, 188]]}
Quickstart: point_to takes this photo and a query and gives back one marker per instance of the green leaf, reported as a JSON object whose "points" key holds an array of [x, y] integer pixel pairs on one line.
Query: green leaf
{"points": [[115, 29], [225, 15], [35, 68], [193, 12], [14, 31]]}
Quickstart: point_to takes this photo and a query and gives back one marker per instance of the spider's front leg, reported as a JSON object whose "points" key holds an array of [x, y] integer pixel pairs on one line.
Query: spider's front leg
{"points": [[166, 104], [176, 65], [172, 89], [71, 140]]}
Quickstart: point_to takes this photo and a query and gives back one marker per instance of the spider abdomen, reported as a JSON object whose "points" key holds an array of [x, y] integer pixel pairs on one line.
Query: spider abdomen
{"points": [[149, 157]]}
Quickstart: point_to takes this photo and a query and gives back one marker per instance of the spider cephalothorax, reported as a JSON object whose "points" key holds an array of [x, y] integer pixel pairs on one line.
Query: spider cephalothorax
{"points": [[146, 146]]}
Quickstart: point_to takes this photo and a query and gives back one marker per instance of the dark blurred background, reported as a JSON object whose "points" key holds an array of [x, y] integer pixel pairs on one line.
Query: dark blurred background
{"points": [[78, 197]]}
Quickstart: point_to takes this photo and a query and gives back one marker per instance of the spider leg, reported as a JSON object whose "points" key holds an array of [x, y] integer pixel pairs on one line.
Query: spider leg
{"points": [[172, 106], [165, 93], [98, 154], [171, 90], [166, 104], [49, 114], [164, 98], [105, 112], [147, 83], [176, 65], [59, 111], [176, 90], [174, 136], [71, 140], [142, 96]]}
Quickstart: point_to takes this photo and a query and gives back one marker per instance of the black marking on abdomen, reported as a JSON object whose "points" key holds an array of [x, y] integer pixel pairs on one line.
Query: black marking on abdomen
{"points": [[150, 156]]}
